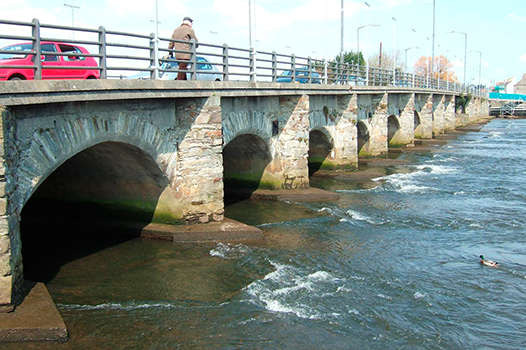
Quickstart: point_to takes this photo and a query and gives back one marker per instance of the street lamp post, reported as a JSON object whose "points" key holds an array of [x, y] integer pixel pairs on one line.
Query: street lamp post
{"points": [[342, 23], [465, 53], [358, 35], [358, 49], [73, 8], [427, 65], [410, 48], [480, 65], [394, 51]]}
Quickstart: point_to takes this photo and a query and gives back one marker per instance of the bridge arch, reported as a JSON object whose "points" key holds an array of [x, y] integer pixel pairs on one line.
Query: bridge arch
{"points": [[393, 130], [321, 149], [363, 139], [247, 163], [110, 187], [51, 148]]}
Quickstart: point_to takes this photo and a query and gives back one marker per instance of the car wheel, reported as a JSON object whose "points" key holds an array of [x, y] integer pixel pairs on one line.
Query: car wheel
{"points": [[15, 78]]}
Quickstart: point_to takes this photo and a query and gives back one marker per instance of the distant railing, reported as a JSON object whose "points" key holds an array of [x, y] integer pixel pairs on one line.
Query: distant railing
{"points": [[118, 53]]}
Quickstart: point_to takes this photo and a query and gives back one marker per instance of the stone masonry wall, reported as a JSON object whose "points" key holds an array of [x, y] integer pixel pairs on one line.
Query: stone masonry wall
{"points": [[10, 273], [449, 113], [292, 144], [439, 124], [424, 108], [200, 166], [335, 116], [407, 119], [378, 128]]}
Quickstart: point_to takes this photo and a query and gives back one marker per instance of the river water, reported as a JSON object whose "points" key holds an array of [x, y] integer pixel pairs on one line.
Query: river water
{"points": [[392, 265]]}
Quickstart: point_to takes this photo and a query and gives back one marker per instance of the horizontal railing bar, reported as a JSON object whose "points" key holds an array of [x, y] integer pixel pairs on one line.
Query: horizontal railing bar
{"points": [[69, 41], [129, 46], [77, 29], [141, 58], [142, 36], [18, 37]]}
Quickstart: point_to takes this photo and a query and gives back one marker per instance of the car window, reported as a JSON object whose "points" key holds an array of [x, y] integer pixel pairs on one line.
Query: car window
{"points": [[49, 48], [204, 65], [17, 47], [72, 51], [287, 73]]}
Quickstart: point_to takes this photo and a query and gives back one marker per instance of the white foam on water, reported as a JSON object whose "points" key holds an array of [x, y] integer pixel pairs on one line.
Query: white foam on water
{"points": [[419, 295], [436, 169], [495, 134], [228, 251], [354, 312], [355, 215], [118, 306], [386, 297], [288, 289], [408, 182]]}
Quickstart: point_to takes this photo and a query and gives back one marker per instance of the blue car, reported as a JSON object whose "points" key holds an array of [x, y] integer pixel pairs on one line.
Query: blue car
{"points": [[301, 76]]}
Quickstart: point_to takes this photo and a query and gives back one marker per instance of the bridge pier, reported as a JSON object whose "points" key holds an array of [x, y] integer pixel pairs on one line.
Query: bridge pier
{"points": [[449, 112], [372, 114], [439, 123], [401, 121], [332, 118], [423, 115]]}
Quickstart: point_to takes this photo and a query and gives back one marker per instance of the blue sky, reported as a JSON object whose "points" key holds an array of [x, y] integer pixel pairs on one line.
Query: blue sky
{"points": [[313, 27]]}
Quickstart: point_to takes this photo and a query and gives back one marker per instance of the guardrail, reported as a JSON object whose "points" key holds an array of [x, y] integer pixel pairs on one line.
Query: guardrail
{"points": [[118, 53]]}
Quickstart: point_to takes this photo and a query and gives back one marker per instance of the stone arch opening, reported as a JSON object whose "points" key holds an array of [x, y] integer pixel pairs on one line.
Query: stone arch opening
{"points": [[363, 138], [320, 147], [109, 188], [393, 127], [245, 161]]}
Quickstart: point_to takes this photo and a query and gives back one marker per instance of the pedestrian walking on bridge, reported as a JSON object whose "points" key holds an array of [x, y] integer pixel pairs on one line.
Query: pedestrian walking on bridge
{"points": [[183, 33]]}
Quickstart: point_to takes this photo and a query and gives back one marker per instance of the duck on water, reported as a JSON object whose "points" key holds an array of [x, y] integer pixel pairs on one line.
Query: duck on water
{"points": [[487, 262]]}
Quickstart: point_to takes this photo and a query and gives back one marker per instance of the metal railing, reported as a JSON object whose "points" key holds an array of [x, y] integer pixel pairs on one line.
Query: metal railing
{"points": [[118, 53]]}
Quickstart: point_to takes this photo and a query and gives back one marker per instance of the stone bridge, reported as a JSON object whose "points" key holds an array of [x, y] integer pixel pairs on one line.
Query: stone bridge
{"points": [[167, 152]]}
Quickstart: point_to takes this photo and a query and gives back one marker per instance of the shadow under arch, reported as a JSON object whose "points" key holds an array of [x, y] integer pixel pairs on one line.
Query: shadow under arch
{"points": [[363, 137], [418, 127], [109, 188], [245, 160], [320, 146], [393, 126]]}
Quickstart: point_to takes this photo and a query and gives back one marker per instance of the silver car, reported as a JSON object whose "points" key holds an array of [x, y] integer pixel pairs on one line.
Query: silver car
{"points": [[204, 71]]}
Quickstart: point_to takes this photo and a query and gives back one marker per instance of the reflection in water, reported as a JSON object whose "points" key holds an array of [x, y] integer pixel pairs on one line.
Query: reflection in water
{"points": [[389, 266]]}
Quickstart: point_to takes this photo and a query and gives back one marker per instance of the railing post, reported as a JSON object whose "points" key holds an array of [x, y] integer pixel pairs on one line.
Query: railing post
{"points": [[154, 56], [252, 67], [309, 64], [225, 62], [193, 47], [293, 67], [103, 53], [274, 67], [325, 71], [37, 49]]}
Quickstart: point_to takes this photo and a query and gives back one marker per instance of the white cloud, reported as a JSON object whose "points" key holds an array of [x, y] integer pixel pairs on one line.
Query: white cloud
{"points": [[122, 8], [517, 18], [456, 63], [523, 58]]}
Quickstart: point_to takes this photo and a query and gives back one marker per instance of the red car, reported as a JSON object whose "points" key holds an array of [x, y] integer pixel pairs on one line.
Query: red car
{"points": [[71, 60]]}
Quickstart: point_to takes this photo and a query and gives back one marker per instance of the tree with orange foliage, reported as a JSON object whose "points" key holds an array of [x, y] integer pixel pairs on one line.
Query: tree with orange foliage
{"points": [[442, 69]]}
